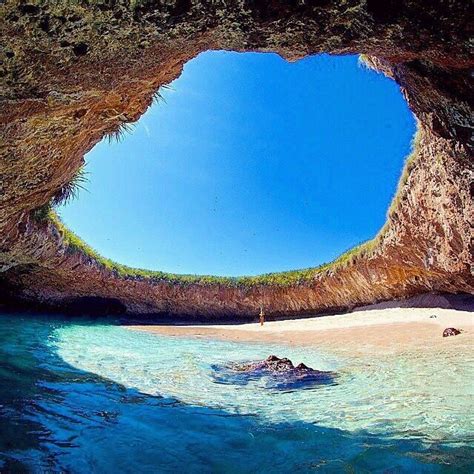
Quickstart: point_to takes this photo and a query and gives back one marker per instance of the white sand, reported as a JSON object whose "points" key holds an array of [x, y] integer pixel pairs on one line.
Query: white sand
{"points": [[394, 329], [444, 318]]}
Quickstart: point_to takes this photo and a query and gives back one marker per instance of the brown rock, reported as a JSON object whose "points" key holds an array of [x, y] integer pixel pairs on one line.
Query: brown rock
{"points": [[451, 332]]}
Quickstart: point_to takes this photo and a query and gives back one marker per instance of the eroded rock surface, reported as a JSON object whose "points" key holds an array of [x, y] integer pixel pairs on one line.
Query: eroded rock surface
{"points": [[73, 72]]}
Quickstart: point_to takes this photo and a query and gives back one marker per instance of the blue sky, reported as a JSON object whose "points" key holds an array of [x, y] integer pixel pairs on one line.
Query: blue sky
{"points": [[250, 165]]}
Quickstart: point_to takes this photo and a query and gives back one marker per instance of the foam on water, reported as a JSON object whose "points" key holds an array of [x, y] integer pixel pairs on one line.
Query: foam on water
{"points": [[414, 395]]}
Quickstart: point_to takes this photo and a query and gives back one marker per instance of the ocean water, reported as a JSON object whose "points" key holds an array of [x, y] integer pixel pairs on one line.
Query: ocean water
{"points": [[89, 396]]}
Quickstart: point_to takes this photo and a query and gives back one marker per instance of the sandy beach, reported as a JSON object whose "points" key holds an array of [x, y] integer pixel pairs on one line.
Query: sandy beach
{"points": [[394, 329]]}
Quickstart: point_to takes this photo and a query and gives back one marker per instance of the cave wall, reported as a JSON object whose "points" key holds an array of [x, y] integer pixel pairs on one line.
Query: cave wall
{"points": [[73, 72]]}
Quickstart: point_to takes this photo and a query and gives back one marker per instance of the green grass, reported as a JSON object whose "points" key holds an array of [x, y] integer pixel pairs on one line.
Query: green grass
{"points": [[288, 278], [46, 214], [71, 189], [283, 279], [118, 135], [407, 168], [65, 194]]}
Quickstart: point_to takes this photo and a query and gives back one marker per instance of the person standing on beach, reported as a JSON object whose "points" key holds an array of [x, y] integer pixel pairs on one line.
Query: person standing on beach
{"points": [[262, 316]]}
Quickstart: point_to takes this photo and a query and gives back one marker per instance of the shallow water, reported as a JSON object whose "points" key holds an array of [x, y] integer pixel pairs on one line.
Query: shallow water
{"points": [[92, 397]]}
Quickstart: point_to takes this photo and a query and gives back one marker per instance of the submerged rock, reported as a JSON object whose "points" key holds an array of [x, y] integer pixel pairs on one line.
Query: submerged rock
{"points": [[451, 332], [279, 373], [271, 363]]}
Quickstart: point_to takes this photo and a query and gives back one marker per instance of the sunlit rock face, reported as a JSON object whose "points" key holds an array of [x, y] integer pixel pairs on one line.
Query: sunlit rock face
{"points": [[72, 73]]}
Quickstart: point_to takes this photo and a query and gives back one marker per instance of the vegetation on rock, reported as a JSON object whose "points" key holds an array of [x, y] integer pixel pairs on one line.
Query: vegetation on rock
{"points": [[287, 278]]}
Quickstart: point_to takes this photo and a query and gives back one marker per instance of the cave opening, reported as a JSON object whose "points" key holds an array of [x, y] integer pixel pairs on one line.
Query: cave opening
{"points": [[248, 164]]}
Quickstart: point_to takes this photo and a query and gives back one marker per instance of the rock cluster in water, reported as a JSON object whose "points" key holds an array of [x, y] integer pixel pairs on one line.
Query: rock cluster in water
{"points": [[274, 364], [274, 372]]}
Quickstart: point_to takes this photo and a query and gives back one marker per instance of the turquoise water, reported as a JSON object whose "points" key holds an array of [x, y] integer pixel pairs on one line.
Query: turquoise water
{"points": [[86, 396]]}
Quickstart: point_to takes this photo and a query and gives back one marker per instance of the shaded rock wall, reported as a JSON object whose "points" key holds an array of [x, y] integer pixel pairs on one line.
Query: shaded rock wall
{"points": [[73, 72]]}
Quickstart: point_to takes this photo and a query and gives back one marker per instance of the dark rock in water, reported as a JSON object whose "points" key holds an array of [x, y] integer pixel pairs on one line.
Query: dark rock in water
{"points": [[279, 373], [271, 363], [451, 332], [301, 366], [274, 364]]}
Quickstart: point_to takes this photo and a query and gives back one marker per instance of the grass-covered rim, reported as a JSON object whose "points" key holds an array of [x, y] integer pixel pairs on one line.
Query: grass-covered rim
{"points": [[47, 215]]}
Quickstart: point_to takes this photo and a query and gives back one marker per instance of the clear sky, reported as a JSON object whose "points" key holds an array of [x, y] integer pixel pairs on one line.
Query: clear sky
{"points": [[250, 165]]}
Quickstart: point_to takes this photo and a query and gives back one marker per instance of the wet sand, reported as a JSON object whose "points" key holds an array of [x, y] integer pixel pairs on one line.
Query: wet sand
{"points": [[391, 330]]}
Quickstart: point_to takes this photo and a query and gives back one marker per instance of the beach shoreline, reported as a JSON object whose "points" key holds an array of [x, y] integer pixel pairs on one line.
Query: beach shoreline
{"points": [[393, 329]]}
